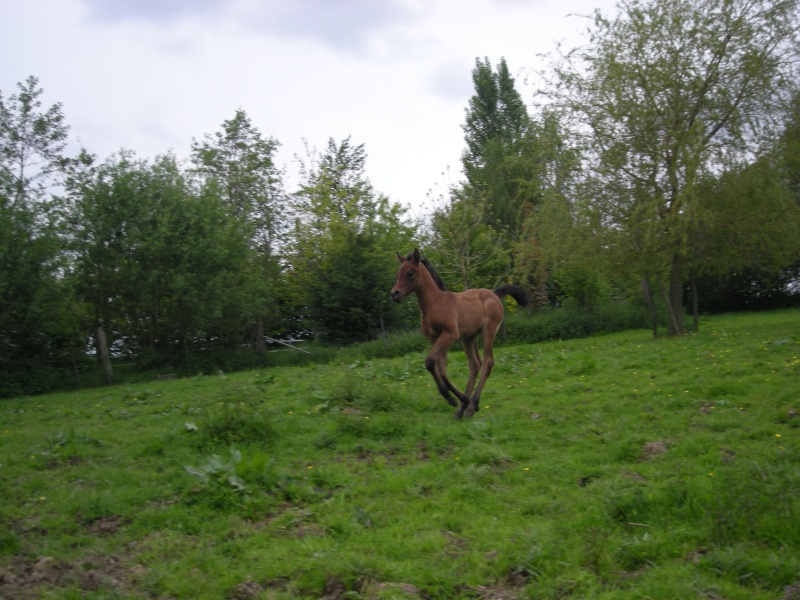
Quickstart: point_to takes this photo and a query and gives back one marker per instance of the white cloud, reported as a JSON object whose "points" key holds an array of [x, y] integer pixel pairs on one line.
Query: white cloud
{"points": [[394, 75]]}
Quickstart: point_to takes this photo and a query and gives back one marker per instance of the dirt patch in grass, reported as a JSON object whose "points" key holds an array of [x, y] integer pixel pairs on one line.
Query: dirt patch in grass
{"points": [[653, 449], [246, 590], [105, 525], [492, 592], [26, 578], [791, 592]]}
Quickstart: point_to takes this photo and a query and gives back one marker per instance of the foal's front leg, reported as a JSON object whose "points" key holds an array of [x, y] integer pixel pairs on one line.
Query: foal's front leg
{"points": [[436, 363]]}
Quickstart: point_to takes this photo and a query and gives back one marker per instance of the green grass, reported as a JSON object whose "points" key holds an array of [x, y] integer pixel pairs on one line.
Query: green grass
{"points": [[610, 467]]}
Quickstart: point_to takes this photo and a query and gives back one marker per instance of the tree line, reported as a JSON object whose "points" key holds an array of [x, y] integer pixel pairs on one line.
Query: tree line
{"points": [[157, 260], [660, 161]]}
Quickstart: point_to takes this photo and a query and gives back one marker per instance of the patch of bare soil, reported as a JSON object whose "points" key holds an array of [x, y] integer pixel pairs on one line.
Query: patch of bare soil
{"points": [[25, 579], [493, 592], [335, 589], [653, 449], [105, 525], [246, 590], [791, 592]]}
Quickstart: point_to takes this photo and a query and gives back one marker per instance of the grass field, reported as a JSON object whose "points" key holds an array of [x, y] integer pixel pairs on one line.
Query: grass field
{"points": [[614, 467]]}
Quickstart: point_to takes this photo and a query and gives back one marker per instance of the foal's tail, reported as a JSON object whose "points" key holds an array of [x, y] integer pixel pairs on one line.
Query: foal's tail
{"points": [[516, 292]]}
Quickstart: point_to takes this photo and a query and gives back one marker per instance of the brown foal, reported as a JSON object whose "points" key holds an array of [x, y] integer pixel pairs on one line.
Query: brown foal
{"points": [[448, 317]]}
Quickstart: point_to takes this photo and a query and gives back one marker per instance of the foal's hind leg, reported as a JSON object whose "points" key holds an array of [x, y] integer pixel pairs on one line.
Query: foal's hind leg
{"points": [[489, 333], [474, 362]]}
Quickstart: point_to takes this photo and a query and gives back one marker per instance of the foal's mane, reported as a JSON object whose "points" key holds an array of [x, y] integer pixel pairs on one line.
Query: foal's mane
{"points": [[439, 283]]}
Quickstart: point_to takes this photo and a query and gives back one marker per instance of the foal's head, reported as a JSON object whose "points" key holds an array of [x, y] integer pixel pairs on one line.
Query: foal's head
{"points": [[408, 279], [431, 271]]}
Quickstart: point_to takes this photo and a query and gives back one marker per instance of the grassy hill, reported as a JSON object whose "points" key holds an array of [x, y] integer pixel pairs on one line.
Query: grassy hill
{"points": [[609, 467]]}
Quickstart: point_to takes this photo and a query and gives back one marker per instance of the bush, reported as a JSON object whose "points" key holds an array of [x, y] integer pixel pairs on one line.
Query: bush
{"points": [[397, 344], [522, 327], [352, 393], [228, 360], [570, 323], [28, 379]]}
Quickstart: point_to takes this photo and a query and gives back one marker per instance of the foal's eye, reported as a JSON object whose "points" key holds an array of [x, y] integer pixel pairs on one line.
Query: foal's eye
{"points": [[410, 275]]}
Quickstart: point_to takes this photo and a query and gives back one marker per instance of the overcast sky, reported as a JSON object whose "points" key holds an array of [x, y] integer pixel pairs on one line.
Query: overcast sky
{"points": [[395, 75]]}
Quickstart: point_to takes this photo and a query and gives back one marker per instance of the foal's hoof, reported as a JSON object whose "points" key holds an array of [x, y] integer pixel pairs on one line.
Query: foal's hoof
{"points": [[463, 410]]}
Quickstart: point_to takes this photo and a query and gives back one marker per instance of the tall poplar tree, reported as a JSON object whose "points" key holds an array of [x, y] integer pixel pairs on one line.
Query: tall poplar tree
{"points": [[495, 131]]}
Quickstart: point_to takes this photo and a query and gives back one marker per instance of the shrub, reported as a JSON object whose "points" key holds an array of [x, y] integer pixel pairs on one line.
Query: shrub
{"points": [[30, 378], [396, 344], [571, 323]]}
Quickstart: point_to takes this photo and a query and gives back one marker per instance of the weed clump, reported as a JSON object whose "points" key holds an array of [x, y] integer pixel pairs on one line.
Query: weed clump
{"points": [[354, 394], [246, 479], [225, 479], [235, 419]]}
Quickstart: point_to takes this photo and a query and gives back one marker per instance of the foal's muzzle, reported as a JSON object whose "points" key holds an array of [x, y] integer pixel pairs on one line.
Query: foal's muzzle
{"points": [[397, 295]]}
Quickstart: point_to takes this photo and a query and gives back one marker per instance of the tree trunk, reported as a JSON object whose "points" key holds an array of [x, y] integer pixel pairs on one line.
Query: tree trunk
{"points": [[651, 305], [261, 346], [675, 296], [695, 312], [105, 357], [77, 371]]}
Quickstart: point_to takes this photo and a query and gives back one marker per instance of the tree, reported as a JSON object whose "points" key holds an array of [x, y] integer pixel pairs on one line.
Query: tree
{"points": [[342, 249], [36, 319], [550, 240], [665, 95], [161, 264], [475, 231], [32, 146], [753, 205], [238, 164], [467, 250], [789, 148], [496, 130]]}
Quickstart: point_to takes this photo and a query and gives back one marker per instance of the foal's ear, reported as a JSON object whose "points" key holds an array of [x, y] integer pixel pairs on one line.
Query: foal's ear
{"points": [[416, 256], [400, 257]]}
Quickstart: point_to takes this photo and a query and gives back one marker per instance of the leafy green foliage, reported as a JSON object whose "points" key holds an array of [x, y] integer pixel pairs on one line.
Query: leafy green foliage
{"points": [[227, 482], [572, 323], [496, 125], [237, 417], [138, 262], [343, 255], [475, 229], [237, 165], [749, 289], [38, 317], [467, 249], [666, 95]]}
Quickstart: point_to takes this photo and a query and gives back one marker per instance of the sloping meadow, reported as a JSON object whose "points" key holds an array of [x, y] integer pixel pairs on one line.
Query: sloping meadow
{"points": [[608, 467]]}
